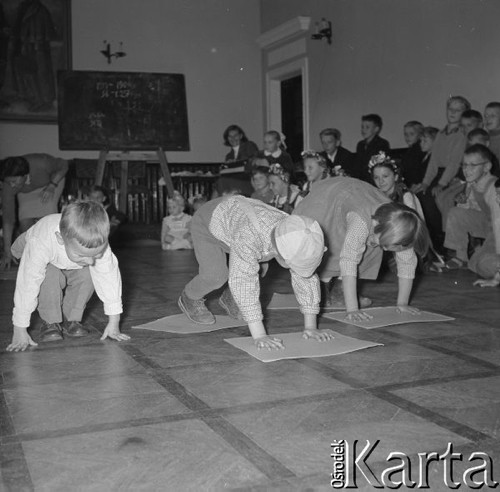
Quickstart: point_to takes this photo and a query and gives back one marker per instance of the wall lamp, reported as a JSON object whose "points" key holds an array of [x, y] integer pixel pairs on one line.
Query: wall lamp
{"points": [[323, 30], [108, 54]]}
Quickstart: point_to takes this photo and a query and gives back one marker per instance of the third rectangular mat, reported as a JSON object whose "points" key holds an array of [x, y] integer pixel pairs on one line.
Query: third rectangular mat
{"points": [[179, 323], [297, 347], [387, 316]]}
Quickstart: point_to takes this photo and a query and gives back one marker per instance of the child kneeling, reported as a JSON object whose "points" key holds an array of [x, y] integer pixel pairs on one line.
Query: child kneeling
{"points": [[69, 252]]}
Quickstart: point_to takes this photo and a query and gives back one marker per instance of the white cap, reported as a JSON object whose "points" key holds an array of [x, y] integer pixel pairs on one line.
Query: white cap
{"points": [[300, 243]]}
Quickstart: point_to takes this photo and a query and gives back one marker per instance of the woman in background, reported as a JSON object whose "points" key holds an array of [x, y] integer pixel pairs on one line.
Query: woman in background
{"points": [[235, 172]]}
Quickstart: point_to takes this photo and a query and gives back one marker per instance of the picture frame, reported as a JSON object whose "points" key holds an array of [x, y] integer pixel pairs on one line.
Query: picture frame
{"points": [[35, 43]]}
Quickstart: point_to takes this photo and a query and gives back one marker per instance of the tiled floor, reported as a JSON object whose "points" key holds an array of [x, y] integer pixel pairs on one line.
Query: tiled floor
{"points": [[172, 412]]}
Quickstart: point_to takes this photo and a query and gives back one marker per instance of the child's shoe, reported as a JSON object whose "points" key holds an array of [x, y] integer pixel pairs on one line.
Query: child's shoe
{"points": [[435, 267], [195, 310], [75, 329], [50, 332], [455, 264], [227, 302], [335, 298]]}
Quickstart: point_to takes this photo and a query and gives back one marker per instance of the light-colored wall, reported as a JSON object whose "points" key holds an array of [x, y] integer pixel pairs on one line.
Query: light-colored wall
{"points": [[212, 42], [398, 58]]}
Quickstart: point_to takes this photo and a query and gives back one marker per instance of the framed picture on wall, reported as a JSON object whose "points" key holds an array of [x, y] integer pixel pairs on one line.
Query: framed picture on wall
{"points": [[35, 42]]}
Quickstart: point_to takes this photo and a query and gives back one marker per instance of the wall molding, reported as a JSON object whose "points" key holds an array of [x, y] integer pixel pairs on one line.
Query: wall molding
{"points": [[293, 27]]}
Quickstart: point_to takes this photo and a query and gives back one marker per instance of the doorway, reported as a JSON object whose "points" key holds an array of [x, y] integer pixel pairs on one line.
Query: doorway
{"points": [[287, 89], [292, 124]]}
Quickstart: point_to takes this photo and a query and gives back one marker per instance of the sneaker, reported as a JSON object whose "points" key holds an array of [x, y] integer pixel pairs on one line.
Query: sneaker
{"points": [[455, 264], [195, 310], [50, 332], [436, 267], [227, 302], [75, 329]]}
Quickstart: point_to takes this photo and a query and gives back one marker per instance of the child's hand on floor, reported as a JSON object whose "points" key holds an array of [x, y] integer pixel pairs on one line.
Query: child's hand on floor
{"points": [[20, 340], [491, 282], [112, 331], [270, 343], [318, 335], [408, 309]]}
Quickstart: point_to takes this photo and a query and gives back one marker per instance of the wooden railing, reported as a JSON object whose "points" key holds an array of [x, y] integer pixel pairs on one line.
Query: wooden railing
{"points": [[147, 198]]}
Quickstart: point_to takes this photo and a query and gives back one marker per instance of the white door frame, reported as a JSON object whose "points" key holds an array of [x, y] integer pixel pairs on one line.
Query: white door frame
{"points": [[273, 94]]}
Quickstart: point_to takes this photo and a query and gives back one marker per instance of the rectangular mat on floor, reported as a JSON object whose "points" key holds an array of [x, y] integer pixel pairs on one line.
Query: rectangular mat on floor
{"points": [[287, 301], [297, 347], [179, 323], [387, 316]]}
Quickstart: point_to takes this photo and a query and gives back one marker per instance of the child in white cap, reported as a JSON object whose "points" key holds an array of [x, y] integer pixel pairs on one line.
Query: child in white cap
{"points": [[252, 232]]}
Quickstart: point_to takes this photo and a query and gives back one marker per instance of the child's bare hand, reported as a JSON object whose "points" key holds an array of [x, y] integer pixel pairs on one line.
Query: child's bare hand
{"points": [[408, 309], [264, 267], [113, 332], [20, 341], [47, 193], [7, 261], [491, 282], [269, 343], [358, 316], [318, 335]]}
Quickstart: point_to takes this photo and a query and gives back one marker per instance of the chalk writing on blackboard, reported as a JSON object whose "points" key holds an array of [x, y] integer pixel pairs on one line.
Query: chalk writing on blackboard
{"points": [[122, 111]]}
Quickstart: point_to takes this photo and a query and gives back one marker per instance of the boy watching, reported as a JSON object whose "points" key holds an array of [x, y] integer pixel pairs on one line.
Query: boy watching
{"points": [[486, 260], [448, 148], [340, 160], [471, 216], [372, 144], [65, 251], [471, 119]]}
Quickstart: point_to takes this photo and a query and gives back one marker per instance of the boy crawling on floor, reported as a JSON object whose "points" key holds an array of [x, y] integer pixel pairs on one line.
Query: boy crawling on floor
{"points": [[63, 258]]}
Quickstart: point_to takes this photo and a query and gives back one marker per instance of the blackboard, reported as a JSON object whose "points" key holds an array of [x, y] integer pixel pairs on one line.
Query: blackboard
{"points": [[122, 111]]}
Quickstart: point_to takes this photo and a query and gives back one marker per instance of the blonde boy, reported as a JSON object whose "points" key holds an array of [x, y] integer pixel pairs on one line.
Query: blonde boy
{"points": [[67, 251]]}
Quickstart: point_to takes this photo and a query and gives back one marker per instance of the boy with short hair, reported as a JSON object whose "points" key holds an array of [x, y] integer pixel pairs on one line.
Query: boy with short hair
{"points": [[471, 120], [470, 216], [340, 160], [252, 232], [444, 164], [492, 124], [478, 136], [448, 148], [67, 251], [486, 260], [372, 144]]}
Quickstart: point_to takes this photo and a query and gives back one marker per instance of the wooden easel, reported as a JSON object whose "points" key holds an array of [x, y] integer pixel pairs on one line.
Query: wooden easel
{"points": [[125, 158]]}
